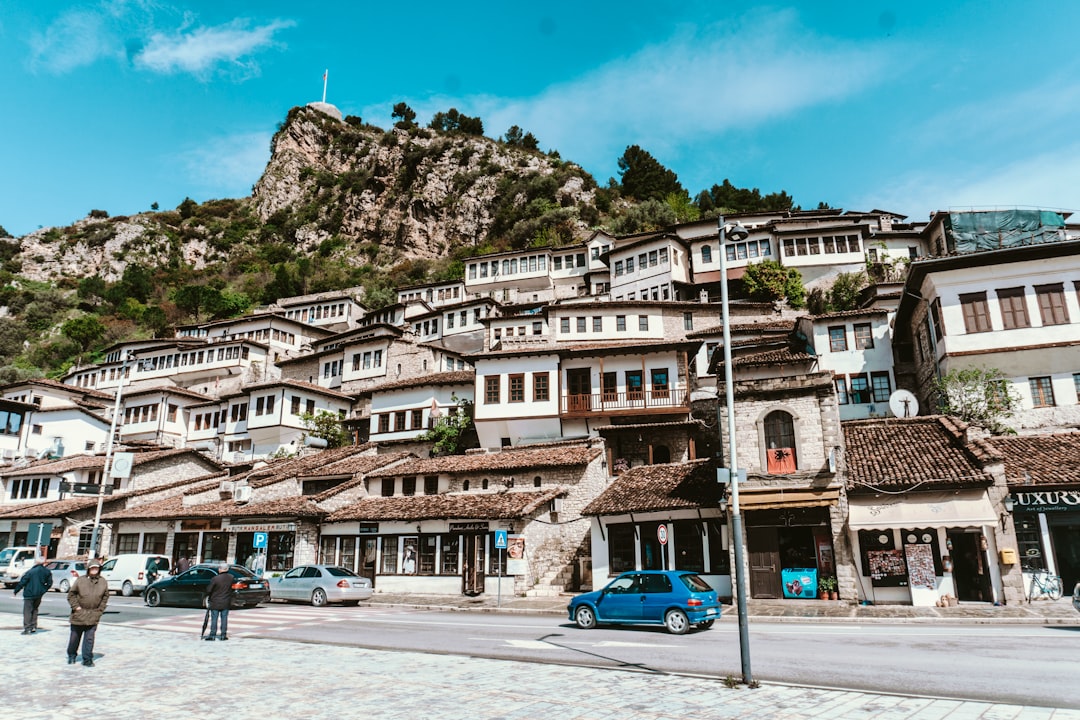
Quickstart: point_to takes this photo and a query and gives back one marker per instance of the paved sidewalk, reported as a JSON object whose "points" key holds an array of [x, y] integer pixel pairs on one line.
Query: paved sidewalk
{"points": [[141, 674], [1042, 612]]}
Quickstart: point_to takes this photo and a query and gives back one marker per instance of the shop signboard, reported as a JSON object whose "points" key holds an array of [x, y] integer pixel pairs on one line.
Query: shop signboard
{"points": [[799, 582], [1047, 501]]}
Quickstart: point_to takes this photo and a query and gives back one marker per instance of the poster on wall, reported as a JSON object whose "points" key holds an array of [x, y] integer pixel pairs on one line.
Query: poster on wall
{"points": [[515, 555], [886, 564], [920, 566], [408, 556]]}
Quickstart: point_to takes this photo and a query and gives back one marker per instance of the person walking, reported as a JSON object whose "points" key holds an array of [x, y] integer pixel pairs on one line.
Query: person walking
{"points": [[34, 583], [87, 597], [183, 565], [219, 599]]}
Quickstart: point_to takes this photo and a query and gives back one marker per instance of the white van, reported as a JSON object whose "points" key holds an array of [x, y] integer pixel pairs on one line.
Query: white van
{"points": [[130, 574], [14, 561]]}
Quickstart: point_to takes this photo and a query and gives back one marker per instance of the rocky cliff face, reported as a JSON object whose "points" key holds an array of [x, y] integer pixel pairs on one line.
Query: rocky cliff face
{"points": [[376, 196]]}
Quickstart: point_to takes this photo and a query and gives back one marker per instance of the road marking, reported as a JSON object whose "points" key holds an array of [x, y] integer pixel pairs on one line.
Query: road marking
{"points": [[531, 644], [618, 643]]}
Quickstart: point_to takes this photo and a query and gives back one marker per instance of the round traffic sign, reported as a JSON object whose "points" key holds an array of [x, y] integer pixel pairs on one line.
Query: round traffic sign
{"points": [[661, 534]]}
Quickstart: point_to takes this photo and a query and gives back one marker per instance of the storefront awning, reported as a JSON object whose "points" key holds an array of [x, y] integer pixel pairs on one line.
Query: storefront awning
{"points": [[965, 509], [774, 498]]}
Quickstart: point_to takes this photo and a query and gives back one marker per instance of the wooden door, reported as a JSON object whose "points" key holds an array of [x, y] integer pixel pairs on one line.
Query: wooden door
{"points": [[472, 561], [763, 545], [368, 548], [579, 389]]}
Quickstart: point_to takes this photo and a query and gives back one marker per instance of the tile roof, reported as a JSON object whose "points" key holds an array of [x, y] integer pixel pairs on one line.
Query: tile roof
{"points": [[79, 462], [285, 468], [174, 508], [517, 459], [736, 328], [650, 488], [922, 453], [783, 356], [1040, 459], [469, 505], [458, 377], [45, 382], [859, 312], [355, 464], [613, 347]]}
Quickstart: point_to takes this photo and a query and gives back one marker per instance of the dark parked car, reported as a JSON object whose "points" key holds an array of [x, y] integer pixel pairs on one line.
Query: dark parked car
{"points": [[189, 588], [676, 599]]}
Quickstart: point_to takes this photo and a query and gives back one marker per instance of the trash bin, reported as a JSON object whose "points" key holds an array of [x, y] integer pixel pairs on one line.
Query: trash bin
{"points": [[799, 582]]}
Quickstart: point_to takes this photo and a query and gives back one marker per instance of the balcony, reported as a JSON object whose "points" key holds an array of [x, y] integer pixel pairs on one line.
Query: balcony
{"points": [[634, 402]]}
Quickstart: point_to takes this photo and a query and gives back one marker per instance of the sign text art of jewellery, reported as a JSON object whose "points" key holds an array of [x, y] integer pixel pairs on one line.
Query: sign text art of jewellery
{"points": [[1047, 501]]}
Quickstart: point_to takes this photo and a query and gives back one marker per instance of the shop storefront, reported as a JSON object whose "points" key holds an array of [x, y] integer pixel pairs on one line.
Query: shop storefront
{"points": [[920, 547], [1047, 525]]}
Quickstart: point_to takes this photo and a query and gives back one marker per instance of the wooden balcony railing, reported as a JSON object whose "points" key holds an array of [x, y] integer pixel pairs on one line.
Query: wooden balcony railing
{"points": [[651, 400]]}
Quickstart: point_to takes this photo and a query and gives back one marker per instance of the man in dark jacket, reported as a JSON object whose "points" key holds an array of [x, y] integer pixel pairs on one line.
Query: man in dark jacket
{"points": [[34, 583], [219, 599], [87, 597]]}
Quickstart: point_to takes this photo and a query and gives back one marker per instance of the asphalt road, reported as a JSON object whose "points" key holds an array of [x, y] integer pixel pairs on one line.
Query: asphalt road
{"points": [[1020, 664]]}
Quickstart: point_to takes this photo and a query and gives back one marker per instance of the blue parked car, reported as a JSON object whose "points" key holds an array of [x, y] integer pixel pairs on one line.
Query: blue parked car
{"points": [[676, 599]]}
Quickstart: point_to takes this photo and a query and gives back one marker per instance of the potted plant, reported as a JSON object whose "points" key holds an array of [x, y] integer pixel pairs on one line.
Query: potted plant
{"points": [[827, 588]]}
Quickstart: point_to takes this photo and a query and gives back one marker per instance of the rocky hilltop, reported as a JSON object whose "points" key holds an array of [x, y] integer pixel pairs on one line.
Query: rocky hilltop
{"points": [[342, 189]]}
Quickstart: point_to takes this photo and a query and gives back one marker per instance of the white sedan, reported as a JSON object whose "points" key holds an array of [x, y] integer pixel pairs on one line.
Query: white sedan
{"points": [[321, 585]]}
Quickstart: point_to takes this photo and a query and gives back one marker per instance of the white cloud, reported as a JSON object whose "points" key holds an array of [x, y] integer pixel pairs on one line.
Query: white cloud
{"points": [[228, 166], [200, 50], [76, 38]]}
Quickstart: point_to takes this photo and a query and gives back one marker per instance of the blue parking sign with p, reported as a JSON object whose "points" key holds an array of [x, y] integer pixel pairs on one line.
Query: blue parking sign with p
{"points": [[500, 539], [259, 540]]}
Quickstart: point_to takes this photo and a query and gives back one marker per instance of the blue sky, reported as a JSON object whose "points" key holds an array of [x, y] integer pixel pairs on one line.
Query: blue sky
{"points": [[910, 107]]}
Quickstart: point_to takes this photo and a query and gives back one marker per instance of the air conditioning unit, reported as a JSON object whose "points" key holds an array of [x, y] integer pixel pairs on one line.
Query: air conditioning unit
{"points": [[226, 487], [242, 493], [9, 454]]}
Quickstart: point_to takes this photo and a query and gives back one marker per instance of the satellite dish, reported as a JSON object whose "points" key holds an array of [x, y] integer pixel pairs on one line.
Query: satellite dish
{"points": [[903, 404]]}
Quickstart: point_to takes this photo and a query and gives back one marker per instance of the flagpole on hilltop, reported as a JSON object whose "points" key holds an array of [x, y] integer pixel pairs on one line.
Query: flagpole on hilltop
{"points": [[325, 73]]}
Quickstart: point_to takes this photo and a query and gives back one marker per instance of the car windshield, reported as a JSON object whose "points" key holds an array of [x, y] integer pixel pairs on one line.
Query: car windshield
{"points": [[340, 572], [6, 555], [695, 583]]}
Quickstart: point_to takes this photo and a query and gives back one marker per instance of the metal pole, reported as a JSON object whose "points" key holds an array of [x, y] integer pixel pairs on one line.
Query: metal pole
{"points": [[733, 464], [107, 468]]}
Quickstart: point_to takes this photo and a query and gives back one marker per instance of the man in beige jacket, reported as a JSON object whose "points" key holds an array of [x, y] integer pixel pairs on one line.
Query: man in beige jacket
{"points": [[87, 597]]}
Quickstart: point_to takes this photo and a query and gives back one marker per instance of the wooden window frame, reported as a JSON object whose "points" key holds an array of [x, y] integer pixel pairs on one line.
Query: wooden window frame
{"points": [[976, 312]]}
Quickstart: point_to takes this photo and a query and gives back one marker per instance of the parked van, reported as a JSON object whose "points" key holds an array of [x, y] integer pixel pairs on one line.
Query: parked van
{"points": [[130, 574], [14, 561]]}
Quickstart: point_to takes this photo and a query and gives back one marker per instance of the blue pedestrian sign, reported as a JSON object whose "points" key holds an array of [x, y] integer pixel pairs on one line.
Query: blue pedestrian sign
{"points": [[259, 541], [500, 539]]}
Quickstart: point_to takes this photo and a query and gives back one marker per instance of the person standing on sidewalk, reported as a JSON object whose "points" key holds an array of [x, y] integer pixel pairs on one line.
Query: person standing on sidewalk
{"points": [[34, 583], [87, 597], [219, 599]]}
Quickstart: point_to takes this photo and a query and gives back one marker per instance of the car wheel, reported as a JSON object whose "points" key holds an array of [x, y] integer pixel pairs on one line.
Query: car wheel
{"points": [[127, 589], [205, 602], [64, 586], [318, 597], [676, 622], [705, 625], [153, 598], [585, 617]]}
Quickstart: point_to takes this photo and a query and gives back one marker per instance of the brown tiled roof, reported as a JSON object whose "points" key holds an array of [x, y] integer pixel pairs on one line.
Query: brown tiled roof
{"points": [[737, 328], [174, 508], [651, 488], [613, 347], [167, 389], [299, 384], [771, 357], [45, 382], [908, 453], [518, 459], [285, 468], [859, 312], [78, 462], [458, 377], [472, 506], [355, 464], [1040, 459]]}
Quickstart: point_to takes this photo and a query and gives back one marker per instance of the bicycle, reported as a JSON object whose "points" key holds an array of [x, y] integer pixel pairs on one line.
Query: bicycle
{"points": [[1046, 584]]}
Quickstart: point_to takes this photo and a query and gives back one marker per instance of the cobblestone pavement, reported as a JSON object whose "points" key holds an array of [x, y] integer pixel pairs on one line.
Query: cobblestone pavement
{"points": [[142, 673], [1044, 612]]}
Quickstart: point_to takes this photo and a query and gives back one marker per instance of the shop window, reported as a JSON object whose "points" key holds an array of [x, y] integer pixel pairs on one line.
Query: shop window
{"points": [[925, 536], [882, 562], [1029, 541], [428, 545], [620, 548], [328, 550], [498, 557], [689, 544], [719, 561], [127, 543], [780, 443], [389, 555], [279, 550], [449, 561], [154, 543]]}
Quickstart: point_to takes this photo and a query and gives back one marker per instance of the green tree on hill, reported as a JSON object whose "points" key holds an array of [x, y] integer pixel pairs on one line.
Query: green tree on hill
{"points": [[644, 178]]}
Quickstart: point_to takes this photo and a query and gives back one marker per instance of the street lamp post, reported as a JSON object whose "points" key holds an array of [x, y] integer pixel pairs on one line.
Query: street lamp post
{"points": [[107, 468], [733, 462]]}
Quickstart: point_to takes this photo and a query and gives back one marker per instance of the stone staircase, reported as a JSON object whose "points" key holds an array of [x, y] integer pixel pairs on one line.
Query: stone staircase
{"points": [[553, 582]]}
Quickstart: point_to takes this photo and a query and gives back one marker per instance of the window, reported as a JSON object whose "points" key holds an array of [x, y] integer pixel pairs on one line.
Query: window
{"points": [[620, 323], [860, 389], [706, 254], [663, 256], [564, 325], [408, 486], [1013, 308], [450, 321], [881, 387], [449, 555], [517, 388], [1042, 392], [935, 313], [660, 388], [688, 321], [643, 322], [416, 418], [643, 260], [538, 328], [780, 443], [629, 265], [841, 390], [491, 390], [431, 485], [838, 339], [399, 421], [653, 258], [976, 315], [384, 423], [581, 324], [377, 359], [621, 548], [541, 391], [387, 488], [633, 385], [1052, 304], [389, 554], [864, 337], [618, 268], [597, 324], [1076, 385], [309, 407]]}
